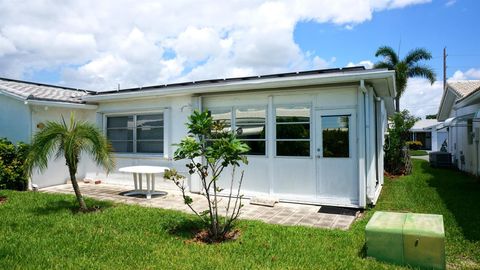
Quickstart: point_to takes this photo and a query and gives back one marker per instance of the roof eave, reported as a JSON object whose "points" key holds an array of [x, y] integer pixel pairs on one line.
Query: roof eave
{"points": [[467, 100], [60, 104], [249, 85], [442, 108]]}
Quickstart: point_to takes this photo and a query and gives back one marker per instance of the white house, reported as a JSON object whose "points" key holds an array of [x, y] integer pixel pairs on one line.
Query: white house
{"points": [[430, 133], [459, 109], [316, 136]]}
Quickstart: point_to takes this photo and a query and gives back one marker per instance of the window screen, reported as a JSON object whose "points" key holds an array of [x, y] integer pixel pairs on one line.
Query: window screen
{"points": [[136, 133]]}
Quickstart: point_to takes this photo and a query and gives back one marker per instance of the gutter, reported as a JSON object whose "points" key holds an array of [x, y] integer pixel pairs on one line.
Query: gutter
{"points": [[363, 194], [244, 85], [61, 104]]}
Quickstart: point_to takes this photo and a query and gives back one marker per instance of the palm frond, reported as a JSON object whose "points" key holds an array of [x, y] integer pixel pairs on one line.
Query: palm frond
{"points": [[44, 144], [94, 143], [416, 55], [69, 140], [424, 72], [388, 53], [384, 65]]}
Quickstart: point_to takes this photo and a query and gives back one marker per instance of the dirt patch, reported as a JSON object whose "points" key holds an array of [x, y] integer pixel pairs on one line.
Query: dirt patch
{"points": [[92, 209], [392, 176], [203, 237], [3, 199]]}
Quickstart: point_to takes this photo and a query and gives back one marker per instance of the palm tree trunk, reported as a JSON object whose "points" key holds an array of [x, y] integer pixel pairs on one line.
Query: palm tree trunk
{"points": [[76, 188], [397, 104]]}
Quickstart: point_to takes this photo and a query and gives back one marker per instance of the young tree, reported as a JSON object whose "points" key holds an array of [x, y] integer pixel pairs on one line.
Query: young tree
{"points": [[406, 68], [209, 141], [397, 159], [69, 141]]}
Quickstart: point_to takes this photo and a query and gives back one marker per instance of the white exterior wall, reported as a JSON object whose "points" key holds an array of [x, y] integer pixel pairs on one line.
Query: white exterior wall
{"points": [[465, 156], [175, 110], [14, 119], [57, 171], [295, 178]]}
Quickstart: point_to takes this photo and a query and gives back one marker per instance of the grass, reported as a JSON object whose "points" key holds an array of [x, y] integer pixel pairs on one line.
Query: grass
{"points": [[40, 231], [418, 153]]}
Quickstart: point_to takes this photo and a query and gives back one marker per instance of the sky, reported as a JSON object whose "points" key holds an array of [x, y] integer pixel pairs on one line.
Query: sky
{"points": [[99, 45]]}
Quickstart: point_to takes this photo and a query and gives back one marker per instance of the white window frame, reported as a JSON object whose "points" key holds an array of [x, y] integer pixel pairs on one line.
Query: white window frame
{"points": [[233, 122], [275, 140]]}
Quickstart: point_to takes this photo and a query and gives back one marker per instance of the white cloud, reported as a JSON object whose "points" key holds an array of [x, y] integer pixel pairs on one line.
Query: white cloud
{"points": [[98, 44], [471, 74], [421, 98], [366, 63], [450, 3]]}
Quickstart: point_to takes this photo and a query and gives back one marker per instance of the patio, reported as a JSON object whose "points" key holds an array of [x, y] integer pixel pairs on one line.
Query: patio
{"points": [[281, 213]]}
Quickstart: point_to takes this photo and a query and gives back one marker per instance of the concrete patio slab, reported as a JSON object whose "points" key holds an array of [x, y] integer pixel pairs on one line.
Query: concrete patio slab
{"points": [[282, 213]]}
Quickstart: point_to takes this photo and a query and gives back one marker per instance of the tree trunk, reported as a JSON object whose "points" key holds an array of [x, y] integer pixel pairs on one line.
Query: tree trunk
{"points": [[76, 188], [397, 104]]}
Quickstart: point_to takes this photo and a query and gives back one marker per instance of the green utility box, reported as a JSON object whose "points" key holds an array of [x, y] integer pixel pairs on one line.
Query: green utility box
{"points": [[384, 236], [407, 238], [423, 241]]}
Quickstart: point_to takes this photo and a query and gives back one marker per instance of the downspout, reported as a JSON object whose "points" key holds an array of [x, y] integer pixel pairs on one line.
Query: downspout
{"points": [[30, 131], [363, 184]]}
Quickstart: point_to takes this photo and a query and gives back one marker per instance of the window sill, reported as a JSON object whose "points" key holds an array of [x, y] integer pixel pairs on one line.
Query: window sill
{"points": [[141, 156]]}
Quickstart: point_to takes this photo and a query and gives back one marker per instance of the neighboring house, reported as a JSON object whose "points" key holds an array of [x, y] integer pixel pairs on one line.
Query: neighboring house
{"points": [[315, 136], [459, 109], [430, 133], [25, 105]]}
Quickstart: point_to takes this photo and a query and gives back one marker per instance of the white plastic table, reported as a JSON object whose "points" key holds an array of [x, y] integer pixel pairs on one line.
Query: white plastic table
{"points": [[149, 172]]}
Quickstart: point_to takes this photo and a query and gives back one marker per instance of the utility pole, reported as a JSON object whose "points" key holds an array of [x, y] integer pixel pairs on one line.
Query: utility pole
{"points": [[444, 68]]}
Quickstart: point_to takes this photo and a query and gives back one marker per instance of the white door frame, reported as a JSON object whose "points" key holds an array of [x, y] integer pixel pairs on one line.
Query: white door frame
{"points": [[318, 152]]}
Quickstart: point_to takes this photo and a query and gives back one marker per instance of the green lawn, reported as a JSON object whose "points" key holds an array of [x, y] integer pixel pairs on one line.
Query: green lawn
{"points": [[39, 231], [418, 153]]}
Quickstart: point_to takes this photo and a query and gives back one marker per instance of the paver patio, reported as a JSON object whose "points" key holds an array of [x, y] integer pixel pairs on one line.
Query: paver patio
{"points": [[281, 213]]}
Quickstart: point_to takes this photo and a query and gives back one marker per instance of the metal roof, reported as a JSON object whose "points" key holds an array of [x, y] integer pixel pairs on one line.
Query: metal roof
{"points": [[38, 91]]}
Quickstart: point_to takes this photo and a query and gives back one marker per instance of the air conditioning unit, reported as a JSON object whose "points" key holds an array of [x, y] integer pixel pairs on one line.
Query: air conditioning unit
{"points": [[440, 159]]}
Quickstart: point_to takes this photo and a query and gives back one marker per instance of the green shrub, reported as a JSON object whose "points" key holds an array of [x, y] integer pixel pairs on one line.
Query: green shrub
{"points": [[397, 159], [12, 159], [414, 145]]}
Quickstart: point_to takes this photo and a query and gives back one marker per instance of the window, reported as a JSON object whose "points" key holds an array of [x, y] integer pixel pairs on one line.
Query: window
{"points": [[293, 130], [250, 125], [224, 115], [250, 128], [335, 134], [141, 133]]}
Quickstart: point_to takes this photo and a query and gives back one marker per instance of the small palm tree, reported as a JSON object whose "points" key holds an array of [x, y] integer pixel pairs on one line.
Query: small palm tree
{"points": [[406, 68], [69, 141]]}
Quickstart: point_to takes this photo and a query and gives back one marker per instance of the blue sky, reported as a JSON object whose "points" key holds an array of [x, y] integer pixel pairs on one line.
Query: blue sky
{"points": [[145, 42], [432, 26]]}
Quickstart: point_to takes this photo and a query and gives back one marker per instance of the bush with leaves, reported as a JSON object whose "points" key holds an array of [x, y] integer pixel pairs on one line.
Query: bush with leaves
{"points": [[12, 159], [210, 148], [397, 159], [414, 145]]}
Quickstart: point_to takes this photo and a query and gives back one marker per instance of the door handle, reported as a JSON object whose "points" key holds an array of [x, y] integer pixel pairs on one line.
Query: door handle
{"points": [[318, 156]]}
